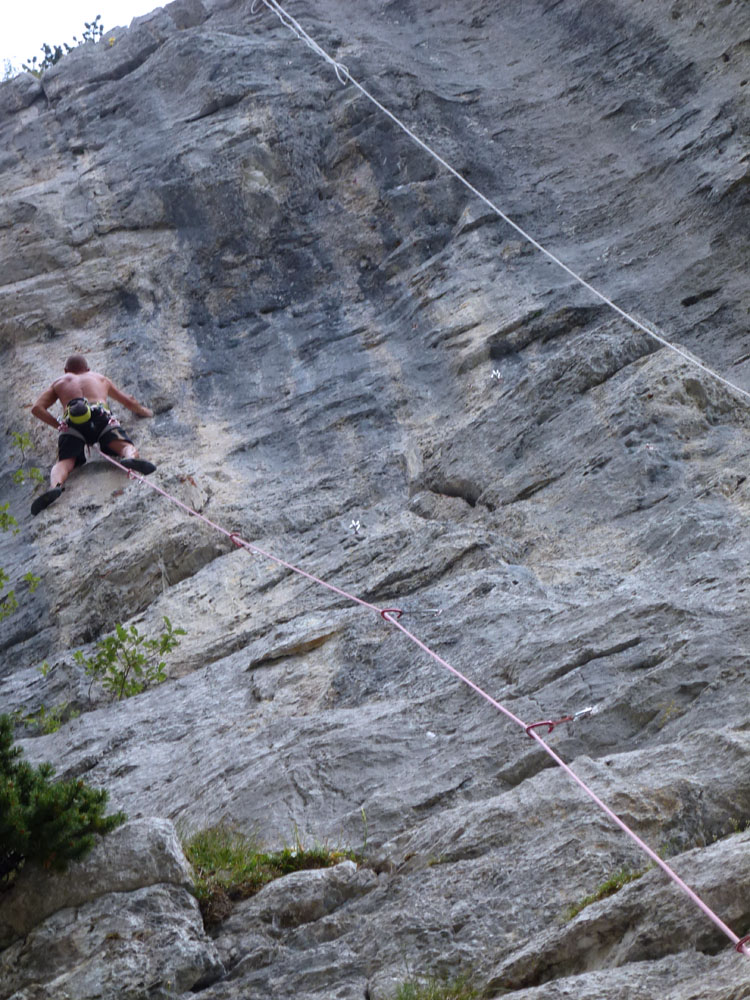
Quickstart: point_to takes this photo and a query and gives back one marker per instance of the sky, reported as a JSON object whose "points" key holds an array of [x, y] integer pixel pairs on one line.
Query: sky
{"points": [[26, 24]]}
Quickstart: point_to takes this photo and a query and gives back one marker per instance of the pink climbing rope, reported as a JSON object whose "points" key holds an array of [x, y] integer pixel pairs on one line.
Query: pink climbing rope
{"points": [[530, 729], [235, 538], [392, 616]]}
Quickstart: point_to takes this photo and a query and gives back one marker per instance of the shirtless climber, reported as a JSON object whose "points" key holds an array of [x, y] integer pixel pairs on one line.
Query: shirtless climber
{"points": [[87, 420]]}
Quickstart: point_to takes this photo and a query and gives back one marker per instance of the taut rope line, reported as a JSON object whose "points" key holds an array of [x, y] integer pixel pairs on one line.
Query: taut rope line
{"points": [[392, 616], [344, 77]]}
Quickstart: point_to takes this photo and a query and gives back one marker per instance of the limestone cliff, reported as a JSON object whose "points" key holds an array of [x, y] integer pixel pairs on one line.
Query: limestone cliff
{"points": [[331, 329]]}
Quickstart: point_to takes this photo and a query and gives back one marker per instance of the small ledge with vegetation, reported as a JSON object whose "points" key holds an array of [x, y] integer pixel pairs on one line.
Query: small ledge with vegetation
{"points": [[231, 866]]}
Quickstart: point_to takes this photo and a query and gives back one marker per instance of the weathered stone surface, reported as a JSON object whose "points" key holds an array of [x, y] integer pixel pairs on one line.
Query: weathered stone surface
{"points": [[147, 943], [645, 920], [19, 93], [686, 974], [260, 928], [122, 922], [139, 854], [301, 898], [330, 330]]}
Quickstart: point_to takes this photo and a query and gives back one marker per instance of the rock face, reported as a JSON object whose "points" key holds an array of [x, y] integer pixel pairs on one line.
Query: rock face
{"points": [[332, 330], [122, 923]]}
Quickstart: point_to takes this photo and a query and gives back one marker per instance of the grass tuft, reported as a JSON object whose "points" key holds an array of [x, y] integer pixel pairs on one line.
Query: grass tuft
{"points": [[229, 866], [609, 887], [434, 988]]}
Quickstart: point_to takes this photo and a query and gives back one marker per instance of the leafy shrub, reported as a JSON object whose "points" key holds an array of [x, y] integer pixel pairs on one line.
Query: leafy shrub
{"points": [[7, 521], [229, 866], [44, 822], [8, 600], [22, 442], [93, 31], [127, 662], [48, 720]]}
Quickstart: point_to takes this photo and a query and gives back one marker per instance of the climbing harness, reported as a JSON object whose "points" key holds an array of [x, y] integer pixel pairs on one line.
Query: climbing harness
{"points": [[392, 616], [88, 421]]}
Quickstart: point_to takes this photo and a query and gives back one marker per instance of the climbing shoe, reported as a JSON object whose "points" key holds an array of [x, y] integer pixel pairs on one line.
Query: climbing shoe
{"points": [[46, 499], [138, 465]]}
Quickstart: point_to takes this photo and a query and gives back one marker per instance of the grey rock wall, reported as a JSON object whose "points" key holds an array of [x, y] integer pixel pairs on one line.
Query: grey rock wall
{"points": [[330, 329], [121, 923]]}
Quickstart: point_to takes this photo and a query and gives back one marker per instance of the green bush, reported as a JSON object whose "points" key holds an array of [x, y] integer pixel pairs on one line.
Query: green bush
{"points": [[44, 822], [48, 720], [8, 600], [229, 865], [22, 442], [7, 521], [127, 662], [93, 31]]}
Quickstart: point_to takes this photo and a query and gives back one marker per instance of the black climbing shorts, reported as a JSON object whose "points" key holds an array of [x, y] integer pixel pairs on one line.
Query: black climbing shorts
{"points": [[102, 429]]}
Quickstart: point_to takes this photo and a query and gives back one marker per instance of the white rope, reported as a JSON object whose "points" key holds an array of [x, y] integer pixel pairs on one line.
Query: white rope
{"points": [[344, 77]]}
